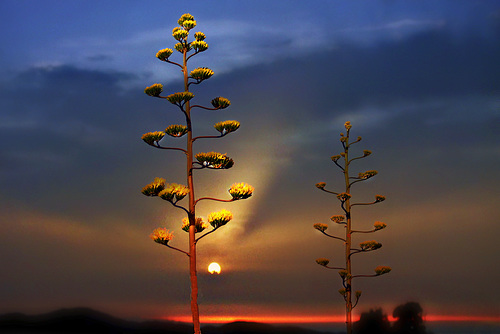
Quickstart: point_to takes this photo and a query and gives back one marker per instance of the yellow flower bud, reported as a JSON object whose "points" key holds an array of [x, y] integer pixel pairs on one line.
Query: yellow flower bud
{"points": [[151, 137], [380, 270], [154, 188], [214, 160], [176, 130], [320, 227], [154, 90], [322, 262], [227, 126], [199, 224], [221, 218], [161, 235], [164, 54], [241, 191], [321, 185]]}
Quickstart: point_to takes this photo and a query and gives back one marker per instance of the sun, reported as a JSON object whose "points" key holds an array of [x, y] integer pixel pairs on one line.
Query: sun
{"points": [[214, 268]]}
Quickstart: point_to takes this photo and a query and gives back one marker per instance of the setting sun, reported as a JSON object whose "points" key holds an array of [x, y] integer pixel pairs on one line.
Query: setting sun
{"points": [[214, 268]]}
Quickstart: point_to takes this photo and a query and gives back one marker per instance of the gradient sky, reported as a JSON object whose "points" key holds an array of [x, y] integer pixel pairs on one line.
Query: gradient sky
{"points": [[419, 80]]}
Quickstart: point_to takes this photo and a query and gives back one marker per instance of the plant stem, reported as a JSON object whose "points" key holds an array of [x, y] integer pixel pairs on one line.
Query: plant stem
{"points": [[192, 213], [347, 208]]}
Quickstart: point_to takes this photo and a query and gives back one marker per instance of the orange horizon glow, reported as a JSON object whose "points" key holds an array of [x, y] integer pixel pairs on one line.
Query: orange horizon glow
{"points": [[320, 319]]}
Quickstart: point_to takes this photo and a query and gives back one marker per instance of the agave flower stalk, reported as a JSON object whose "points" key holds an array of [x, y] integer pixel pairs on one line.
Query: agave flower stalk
{"points": [[343, 161], [174, 193]]}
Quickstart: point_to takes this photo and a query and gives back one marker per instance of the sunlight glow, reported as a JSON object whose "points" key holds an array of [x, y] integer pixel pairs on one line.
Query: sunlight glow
{"points": [[214, 268]]}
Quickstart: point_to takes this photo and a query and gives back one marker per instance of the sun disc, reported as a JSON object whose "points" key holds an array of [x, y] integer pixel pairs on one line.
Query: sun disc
{"points": [[214, 268]]}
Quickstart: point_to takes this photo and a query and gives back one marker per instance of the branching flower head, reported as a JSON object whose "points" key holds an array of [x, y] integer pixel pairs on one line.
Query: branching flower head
{"points": [[380, 270], [181, 47], [379, 198], [338, 219], [226, 127], [370, 245], [201, 73], [343, 273], [176, 130], [379, 226], [322, 262], [199, 36], [180, 34], [321, 185], [164, 54], [189, 24], [220, 103], [347, 125], [343, 197], [198, 46], [185, 17], [151, 137], [174, 191], [161, 235], [366, 153], [154, 90], [154, 188], [199, 225], [241, 191], [320, 227], [335, 157], [214, 160], [342, 291], [180, 98], [368, 174], [220, 218]]}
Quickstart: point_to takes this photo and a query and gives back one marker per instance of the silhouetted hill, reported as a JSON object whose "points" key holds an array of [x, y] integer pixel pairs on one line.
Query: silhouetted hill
{"points": [[243, 327], [86, 321]]}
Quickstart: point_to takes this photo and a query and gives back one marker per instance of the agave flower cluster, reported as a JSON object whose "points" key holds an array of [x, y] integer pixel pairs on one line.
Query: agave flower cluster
{"points": [[220, 218], [241, 191], [155, 187], [176, 130], [199, 224], [227, 127], [153, 137], [214, 160], [174, 192], [161, 235]]}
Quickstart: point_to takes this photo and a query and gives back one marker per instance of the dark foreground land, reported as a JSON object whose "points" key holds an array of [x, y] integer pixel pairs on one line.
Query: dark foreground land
{"points": [[86, 321]]}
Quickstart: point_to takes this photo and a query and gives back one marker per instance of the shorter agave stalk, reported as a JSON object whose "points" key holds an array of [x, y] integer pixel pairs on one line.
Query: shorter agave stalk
{"points": [[343, 162]]}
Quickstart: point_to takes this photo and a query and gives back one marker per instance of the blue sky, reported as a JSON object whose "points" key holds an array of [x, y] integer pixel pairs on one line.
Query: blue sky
{"points": [[418, 80]]}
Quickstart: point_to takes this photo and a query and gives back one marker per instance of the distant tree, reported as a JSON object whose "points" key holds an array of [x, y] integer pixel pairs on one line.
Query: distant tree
{"points": [[373, 322], [409, 319], [173, 192], [343, 161]]}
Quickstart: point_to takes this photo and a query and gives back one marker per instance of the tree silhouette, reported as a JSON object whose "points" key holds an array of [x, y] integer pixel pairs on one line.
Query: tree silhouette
{"points": [[409, 319], [173, 192], [372, 322], [343, 161]]}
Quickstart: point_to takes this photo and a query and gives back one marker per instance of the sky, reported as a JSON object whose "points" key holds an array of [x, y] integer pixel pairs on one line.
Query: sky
{"points": [[418, 80]]}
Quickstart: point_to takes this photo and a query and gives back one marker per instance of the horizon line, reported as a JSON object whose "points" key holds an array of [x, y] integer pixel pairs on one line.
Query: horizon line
{"points": [[320, 319]]}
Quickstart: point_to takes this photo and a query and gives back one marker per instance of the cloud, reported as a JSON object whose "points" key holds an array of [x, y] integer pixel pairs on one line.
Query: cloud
{"points": [[426, 105]]}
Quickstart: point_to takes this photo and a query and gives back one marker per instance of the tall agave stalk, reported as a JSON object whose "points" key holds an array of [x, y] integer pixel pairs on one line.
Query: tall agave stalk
{"points": [[343, 161], [173, 192]]}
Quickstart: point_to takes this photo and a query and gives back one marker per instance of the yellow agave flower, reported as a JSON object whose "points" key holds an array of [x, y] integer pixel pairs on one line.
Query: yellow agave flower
{"points": [[241, 190], [161, 235], [221, 218], [199, 224]]}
